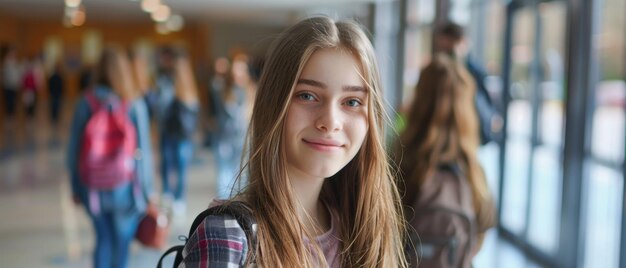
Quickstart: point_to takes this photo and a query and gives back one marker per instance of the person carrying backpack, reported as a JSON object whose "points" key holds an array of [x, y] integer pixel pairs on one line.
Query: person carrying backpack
{"points": [[178, 110], [448, 204], [56, 86], [110, 159]]}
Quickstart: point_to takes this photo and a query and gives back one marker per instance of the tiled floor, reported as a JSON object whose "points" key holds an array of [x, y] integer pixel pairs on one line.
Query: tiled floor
{"points": [[41, 227]]}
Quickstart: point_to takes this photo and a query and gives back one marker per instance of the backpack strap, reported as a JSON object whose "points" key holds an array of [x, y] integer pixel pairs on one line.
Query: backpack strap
{"points": [[179, 255], [451, 167], [92, 100], [237, 209]]}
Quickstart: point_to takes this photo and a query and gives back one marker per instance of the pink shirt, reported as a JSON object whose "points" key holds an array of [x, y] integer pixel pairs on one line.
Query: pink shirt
{"points": [[329, 242]]}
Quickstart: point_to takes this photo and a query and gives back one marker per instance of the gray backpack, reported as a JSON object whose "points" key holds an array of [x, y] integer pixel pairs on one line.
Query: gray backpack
{"points": [[442, 222]]}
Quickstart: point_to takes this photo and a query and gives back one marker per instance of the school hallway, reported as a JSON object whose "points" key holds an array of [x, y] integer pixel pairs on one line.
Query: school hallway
{"points": [[41, 226]]}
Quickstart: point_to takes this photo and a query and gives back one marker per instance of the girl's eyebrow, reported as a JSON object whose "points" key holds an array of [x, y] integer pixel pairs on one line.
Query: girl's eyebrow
{"points": [[313, 83], [319, 84]]}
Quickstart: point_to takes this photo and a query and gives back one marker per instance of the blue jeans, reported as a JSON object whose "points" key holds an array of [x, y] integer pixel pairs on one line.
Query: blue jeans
{"points": [[55, 108], [175, 154], [115, 228], [227, 162]]}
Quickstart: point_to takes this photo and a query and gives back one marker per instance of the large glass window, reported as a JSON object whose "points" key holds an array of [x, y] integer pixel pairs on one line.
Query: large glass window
{"points": [[517, 160], [604, 209], [418, 40], [531, 197], [545, 197], [605, 179]]}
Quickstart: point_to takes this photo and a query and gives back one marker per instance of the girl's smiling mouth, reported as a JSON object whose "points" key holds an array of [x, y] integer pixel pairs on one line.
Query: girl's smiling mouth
{"points": [[324, 145]]}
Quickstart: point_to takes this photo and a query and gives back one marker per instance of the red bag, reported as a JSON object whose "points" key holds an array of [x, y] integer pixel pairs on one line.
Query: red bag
{"points": [[153, 229]]}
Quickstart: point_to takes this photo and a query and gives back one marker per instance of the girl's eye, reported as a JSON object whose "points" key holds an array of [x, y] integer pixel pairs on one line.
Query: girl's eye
{"points": [[306, 96], [353, 103]]}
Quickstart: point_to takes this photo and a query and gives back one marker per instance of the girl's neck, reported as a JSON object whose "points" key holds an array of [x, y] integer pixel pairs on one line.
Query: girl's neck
{"points": [[311, 211]]}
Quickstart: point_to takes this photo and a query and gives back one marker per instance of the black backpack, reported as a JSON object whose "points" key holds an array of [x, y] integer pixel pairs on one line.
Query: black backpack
{"points": [[180, 120], [237, 209]]}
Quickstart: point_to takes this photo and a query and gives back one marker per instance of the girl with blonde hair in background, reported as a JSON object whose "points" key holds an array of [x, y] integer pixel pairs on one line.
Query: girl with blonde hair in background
{"points": [[320, 188]]}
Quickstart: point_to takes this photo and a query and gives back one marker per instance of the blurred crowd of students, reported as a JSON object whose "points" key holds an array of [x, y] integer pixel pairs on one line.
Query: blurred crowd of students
{"points": [[23, 81], [167, 100]]}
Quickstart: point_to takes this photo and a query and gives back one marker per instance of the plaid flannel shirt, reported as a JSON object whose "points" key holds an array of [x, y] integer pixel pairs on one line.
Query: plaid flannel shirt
{"points": [[219, 242]]}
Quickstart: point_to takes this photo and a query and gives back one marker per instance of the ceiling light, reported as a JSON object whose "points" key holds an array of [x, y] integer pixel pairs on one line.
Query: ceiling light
{"points": [[175, 23], [161, 14], [72, 3], [79, 18], [150, 5], [70, 11]]}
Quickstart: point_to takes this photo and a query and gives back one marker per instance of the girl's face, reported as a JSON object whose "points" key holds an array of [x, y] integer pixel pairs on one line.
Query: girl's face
{"points": [[326, 121]]}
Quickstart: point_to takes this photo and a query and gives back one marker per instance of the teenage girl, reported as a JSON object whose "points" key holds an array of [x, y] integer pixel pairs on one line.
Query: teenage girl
{"points": [[320, 187]]}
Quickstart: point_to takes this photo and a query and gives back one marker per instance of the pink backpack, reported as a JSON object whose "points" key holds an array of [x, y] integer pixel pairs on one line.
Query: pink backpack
{"points": [[107, 154]]}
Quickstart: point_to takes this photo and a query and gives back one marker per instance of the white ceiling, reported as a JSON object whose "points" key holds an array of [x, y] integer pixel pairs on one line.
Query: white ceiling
{"points": [[270, 11]]}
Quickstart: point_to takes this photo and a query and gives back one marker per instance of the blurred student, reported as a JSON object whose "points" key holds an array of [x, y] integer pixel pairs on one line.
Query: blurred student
{"points": [[86, 80], [450, 39], [178, 111], [230, 102], [11, 80], [55, 87], [32, 82], [142, 74], [320, 188], [449, 205], [110, 158], [164, 83], [221, 67]]}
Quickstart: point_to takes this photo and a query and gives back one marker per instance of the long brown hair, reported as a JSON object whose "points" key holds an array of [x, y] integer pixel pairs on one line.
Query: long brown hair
{"points": [[185, 88], [141, 71], [363, 192], [115, 71], [442, 127]]}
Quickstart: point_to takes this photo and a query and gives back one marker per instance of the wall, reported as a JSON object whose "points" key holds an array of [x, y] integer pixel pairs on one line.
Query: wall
{"points": [[249, 37], [29, 37]]}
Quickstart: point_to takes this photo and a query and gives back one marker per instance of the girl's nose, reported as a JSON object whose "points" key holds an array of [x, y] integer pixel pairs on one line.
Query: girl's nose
{"points": [[329, 119]]}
